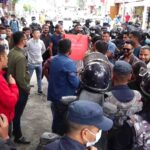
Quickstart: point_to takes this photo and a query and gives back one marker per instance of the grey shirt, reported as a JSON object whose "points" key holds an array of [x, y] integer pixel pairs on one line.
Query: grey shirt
{"points": [[34, 50]]}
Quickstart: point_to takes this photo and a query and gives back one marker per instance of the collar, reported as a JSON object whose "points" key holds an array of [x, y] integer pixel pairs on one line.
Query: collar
{"points": [[63, 55], [17, 48], [43, 34], [76, 144], [120, 87]]}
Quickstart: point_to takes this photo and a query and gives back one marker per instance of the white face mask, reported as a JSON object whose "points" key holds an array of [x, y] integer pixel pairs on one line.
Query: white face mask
{"points": [[33, 21], [3, 36], [97, 135]]}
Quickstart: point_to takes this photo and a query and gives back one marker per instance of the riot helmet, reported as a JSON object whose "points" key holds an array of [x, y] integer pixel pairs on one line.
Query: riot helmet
{"points": [[96, 75], [145, 84]]}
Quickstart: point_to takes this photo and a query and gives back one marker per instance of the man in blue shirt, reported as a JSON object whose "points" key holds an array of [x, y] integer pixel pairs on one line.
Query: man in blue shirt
{"points": [[85, 125], [55, 38], [63, 81], [135, 36], [111, 46]]}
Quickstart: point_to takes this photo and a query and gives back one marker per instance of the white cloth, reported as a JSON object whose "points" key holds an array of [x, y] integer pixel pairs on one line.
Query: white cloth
{"points": [[5, 43]]}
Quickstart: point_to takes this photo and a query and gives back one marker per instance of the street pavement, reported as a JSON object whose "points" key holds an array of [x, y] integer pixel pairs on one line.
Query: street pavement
{"points": [[37, 117]]}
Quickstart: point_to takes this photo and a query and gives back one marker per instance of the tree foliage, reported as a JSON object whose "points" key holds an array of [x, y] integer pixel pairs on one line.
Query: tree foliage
{"points": [[27, 7]]}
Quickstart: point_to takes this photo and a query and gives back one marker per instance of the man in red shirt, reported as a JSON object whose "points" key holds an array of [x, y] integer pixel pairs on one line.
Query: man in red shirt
{"points": [[8, 90], [127, 18]]}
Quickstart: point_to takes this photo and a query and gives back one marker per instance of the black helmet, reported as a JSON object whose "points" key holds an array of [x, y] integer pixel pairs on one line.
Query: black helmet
{"points": [[88, 21], [145, 84], [96, 75]]}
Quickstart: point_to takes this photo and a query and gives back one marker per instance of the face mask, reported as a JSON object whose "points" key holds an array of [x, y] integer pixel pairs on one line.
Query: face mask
{"points": [[98, 136], [147, 41], [3, 36], [34, 21]]}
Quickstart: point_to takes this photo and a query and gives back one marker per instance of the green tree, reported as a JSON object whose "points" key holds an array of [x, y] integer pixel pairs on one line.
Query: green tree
{"points": [[14, 2], [81, 3], [27, 7]]}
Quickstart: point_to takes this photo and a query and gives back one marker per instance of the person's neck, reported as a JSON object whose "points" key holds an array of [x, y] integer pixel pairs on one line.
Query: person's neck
{"points": [[119, 83], [75, 137], [20, 46], [45, 33], [1, 67], [137, 44], [35, 39], [57, 33], [127, 58], [67, 54]]}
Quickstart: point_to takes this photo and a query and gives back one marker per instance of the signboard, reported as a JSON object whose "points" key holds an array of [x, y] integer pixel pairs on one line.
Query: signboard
{"points": [[79, 45]]}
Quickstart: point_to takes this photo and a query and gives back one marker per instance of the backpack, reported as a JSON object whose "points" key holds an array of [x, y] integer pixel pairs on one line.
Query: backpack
{"points": [[14, 25], [141, 130], [47, 138], [119, 112]]}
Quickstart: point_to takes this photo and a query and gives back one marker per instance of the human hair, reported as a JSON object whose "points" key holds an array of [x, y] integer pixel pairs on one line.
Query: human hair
{"points": [[25, 29], [2, 50], [75, 127], [2, 28], [57, 26], [130, 42], [64, 46], [106, 32], [13, 15], [125, 33], [146, 47], [96, 38], [34, 30], [8, 27], [136, 34], [45, 25], [101, 47], [17, 37], [136, 69], [119, 78]]}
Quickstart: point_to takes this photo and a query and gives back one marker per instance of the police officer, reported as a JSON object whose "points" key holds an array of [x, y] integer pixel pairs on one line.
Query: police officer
{"points": [[85, 125], [122, 98], [134, 134], [95, 77]]}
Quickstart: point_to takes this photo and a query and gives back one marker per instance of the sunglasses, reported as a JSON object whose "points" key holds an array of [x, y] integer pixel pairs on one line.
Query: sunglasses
{"points": [[127, 49]]}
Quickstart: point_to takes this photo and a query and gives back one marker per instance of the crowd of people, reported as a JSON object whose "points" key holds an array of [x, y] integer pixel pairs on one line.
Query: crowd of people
{"points": [[111, 90]]}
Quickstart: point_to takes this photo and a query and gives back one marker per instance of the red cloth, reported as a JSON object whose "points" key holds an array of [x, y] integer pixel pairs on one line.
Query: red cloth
{"points": [[9, 95], [79, 45], [127, 17]]}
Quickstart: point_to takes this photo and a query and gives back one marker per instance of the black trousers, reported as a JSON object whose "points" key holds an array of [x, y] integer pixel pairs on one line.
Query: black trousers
{"points": [[59, 124], [23, 97]]}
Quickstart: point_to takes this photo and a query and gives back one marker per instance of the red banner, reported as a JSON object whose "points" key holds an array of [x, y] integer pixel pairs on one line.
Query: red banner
{"points": [[103, 1], [79, 45]]}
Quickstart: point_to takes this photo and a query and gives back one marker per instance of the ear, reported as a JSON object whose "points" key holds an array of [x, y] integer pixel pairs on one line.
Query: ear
{"points": [[83, 136], [1, 58], [130, 76]]}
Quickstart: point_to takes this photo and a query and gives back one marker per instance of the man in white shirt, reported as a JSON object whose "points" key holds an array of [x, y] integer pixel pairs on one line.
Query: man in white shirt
{"points": [[3, 40], [35, 48]]}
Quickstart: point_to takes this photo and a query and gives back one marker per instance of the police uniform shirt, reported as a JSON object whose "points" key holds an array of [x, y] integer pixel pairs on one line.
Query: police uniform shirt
{"points": [[65, 143]]}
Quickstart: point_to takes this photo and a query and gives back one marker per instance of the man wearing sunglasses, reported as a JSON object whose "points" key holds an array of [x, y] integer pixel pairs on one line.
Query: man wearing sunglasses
{"points": [[128, 55]]}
